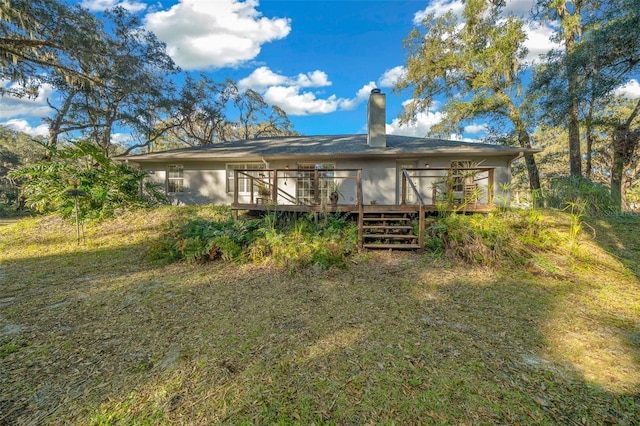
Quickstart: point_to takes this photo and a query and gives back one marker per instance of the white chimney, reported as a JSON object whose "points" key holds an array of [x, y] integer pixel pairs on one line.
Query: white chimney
{"points": [[376, 120]]}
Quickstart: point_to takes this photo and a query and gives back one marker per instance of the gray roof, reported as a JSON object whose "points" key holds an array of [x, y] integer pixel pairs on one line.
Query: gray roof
{"points": [[338, 146]]}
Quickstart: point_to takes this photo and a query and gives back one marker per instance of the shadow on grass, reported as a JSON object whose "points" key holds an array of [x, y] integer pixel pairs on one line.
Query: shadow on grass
{"points": [[619, 236], [393, 339]]}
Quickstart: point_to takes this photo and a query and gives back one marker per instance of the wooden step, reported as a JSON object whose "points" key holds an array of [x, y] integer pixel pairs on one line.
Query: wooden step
{"points": [[387, 219], [391, 246], [391, 236], [388, 227]]}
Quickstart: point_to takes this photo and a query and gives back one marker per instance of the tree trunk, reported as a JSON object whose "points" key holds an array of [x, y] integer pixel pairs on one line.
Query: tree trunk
{"points": [[56, 125], [589, 131], [530, 161], [575, 158], [624, 142], [571, 28], [617, 170]]}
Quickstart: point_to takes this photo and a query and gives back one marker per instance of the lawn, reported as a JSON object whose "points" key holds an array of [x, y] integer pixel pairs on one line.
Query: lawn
{"points": [[101, 333]]}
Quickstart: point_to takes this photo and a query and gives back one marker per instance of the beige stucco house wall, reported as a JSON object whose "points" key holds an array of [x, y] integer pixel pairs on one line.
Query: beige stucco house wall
{"points": [[204, 176]]}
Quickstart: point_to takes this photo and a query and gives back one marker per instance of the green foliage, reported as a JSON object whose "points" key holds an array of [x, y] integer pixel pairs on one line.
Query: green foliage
{"points": [[107, 187], [16, 149], [282, 239], [594, 198], [204, 239], [503, 236]]}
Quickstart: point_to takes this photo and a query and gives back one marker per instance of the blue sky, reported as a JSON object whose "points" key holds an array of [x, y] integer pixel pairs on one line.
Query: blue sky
{"points": [[318, 60]]}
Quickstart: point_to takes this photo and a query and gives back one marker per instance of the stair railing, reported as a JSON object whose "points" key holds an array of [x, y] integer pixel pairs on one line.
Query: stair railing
{"points": [[406, 179]]}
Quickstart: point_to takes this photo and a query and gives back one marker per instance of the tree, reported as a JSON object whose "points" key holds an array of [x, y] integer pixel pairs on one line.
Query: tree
{"points": [[607, 53], [256, 118], [477, 64], [199, 117], [131, 87], [625, 140], [203, 109], [16, 149], [38, 37]]}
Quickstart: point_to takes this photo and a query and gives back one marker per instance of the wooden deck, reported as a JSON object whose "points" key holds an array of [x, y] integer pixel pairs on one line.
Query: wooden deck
{"points": [[455, 190], [353, 208]]}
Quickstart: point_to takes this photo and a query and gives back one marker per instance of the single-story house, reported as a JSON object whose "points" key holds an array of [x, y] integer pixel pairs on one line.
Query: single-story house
{"points": [[207, 174], [346, 172]]}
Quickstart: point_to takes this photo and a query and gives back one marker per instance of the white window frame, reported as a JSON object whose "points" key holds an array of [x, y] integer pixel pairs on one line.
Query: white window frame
{"points": [[245, 187], [304, 193], [175, 182]]}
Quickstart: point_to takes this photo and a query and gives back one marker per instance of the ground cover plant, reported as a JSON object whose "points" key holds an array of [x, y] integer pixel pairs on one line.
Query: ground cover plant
{"points": [[108, 332]]}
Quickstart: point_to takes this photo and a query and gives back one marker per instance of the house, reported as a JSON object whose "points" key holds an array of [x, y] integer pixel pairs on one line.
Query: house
{"points": [[356, 173]]}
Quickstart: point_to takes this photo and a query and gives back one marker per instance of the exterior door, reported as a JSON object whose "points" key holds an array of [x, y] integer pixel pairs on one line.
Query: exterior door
{"points": [[411, 196], [306, 190]]}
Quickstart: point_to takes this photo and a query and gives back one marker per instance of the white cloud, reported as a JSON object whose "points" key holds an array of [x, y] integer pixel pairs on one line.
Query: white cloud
{"points": [[11, 106], [263, 77], [201, 34], [475, 128], [293, 94], [420, 127], [391, 76], [101, 5], [21, 125], [121, 139], [312, 79], [630, 90], [538, 41], [295, 102], [361, 96], [439, 8]]}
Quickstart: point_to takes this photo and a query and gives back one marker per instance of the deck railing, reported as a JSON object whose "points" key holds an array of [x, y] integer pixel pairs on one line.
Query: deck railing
{"points": [[269, 186], [450, 188], [408, 181]]}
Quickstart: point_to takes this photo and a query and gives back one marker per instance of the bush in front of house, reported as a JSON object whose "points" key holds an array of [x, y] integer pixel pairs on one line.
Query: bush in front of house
{"points": [[280, 239]]}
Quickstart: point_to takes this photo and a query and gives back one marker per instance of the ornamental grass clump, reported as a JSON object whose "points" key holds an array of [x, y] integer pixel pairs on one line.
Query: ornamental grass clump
{"points": [[505, 236]]}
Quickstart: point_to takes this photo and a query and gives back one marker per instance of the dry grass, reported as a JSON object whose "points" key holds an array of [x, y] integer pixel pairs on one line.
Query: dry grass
{"points": [[100, 334]]}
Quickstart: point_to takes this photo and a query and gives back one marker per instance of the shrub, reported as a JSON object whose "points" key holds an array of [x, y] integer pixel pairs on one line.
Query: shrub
{"points": [[108, 187], [282, 239], [202, 239], [568, 191], [505, 236]]}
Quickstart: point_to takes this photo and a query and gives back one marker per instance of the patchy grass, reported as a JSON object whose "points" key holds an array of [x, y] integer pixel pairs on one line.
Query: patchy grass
{"points": [[102, 334]]}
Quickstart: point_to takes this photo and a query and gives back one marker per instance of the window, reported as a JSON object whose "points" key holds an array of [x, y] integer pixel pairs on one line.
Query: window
{"points": [[244, 183], [175, 178], [305, 192]]}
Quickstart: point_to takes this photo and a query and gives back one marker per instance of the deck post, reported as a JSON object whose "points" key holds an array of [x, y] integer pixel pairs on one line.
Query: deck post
{"points": [[252, 180], [235, 186], [403, 199], [359, 200], [421, 227], [316, 187], [491, 187], [274, 187]]}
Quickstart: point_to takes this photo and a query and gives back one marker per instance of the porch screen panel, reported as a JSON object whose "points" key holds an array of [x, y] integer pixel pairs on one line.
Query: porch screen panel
{"points": [[305, 193], [244, 184]]}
